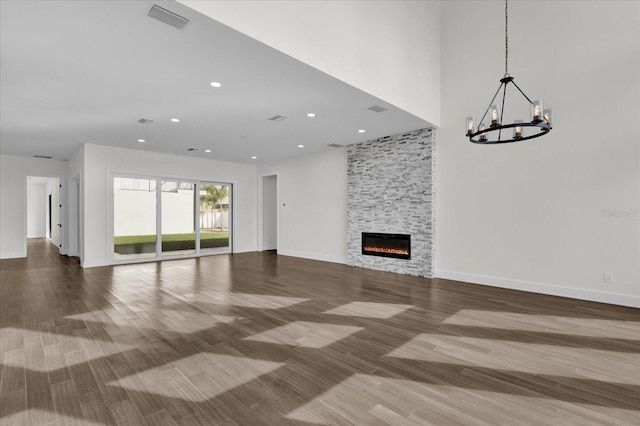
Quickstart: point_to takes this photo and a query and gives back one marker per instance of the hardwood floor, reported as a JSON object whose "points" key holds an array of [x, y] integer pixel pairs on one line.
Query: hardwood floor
{"points": [[256, 338]]}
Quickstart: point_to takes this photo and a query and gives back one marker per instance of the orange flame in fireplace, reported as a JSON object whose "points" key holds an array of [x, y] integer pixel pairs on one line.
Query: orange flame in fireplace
{"points": [[386, 250]]}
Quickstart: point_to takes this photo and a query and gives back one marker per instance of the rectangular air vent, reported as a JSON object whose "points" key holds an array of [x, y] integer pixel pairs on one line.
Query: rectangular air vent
{"points": [[277, 118], [335, 145], [145, 121], [43, 156], [168, 17], [378, 108]]}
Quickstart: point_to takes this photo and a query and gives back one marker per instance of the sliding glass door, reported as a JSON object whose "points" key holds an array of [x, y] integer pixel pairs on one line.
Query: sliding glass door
{"points": [[178, 220], [134, 218], [155, 218], [215, 220]]}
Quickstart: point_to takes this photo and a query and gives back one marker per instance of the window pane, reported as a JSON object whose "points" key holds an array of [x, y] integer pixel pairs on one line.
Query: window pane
{"points": [[134, 218], [178, 219], [215, 218]]}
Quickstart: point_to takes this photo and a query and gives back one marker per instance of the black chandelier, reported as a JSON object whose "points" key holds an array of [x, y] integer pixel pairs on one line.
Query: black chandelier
{"points": [[539, 123]]}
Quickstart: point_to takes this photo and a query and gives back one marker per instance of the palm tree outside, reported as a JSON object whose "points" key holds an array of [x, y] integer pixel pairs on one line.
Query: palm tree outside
{"points": [[213, 199]]}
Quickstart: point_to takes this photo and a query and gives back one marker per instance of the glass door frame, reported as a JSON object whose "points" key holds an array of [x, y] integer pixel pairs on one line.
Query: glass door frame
{"points": [[230, 217], [198, 184], [195, 203]]}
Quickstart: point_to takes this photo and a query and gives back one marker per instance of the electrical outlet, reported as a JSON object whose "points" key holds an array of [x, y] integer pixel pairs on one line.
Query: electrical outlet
{"points": [[608, 277]]}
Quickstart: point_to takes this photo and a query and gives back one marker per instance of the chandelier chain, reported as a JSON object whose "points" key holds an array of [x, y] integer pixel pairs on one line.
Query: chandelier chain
{"points": [[506, 38]]}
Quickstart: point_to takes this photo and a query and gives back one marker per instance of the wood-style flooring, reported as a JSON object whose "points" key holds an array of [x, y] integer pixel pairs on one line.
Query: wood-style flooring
{"points": [[257, 338]]}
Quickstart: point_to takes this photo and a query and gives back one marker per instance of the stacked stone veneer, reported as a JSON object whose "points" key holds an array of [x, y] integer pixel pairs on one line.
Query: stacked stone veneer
{"points": [[390, 189]]}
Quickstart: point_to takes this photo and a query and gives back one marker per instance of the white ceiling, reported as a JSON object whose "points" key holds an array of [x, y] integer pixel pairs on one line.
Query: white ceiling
{"points": [[75, 72]]}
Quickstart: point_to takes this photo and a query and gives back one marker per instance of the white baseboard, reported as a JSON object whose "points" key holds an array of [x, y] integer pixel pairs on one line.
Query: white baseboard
{"points": [[95, 264], [249, 250], [313, 256], [15, 255], [550, 289]]}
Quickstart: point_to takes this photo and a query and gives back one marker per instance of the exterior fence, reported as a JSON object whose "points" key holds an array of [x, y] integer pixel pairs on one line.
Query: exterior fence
{"points": [[214, 220], [135, 212]]}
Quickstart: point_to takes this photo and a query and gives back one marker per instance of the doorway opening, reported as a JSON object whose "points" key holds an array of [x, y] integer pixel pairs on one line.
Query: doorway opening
{"points": [[45, 210]]}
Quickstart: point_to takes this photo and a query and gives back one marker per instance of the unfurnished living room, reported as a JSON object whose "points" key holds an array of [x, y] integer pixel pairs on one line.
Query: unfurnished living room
{"points": [[319, 212]]}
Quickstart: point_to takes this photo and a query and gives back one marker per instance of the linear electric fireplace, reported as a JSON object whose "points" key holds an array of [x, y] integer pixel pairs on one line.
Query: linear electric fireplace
{"points": [[386, 245]]}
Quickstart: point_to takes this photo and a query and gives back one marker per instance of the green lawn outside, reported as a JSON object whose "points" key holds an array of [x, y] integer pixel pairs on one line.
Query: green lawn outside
{"points": [[130, 244]]}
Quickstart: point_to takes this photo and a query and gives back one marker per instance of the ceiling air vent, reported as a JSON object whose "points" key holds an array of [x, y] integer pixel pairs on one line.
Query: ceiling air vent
{"points": [[277, 118], [168, 17], [378, 108], [43, 156], [335, 145], [145, 121]]}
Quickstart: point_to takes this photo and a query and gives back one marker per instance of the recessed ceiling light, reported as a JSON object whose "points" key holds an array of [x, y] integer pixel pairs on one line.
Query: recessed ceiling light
{"points": [[141, 140], [311, 114], [175, 120], [254, 157], [300, 146], [215, 84], [361, 131], [207, 150]]}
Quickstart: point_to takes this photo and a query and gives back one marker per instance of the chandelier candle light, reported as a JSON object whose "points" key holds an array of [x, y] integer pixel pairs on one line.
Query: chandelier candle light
{"points": [[539, 124]]}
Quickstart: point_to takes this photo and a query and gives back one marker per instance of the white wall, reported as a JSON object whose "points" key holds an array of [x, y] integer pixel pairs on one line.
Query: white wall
{"points": [[390, 49], [98, 160], [36, 210], [530, 215], [312, 205], [270, 213], [75, 202], [13, 192]]}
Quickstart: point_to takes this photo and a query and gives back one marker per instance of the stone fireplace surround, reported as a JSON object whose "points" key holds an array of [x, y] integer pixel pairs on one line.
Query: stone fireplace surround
{"points": [[390, 189]]}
